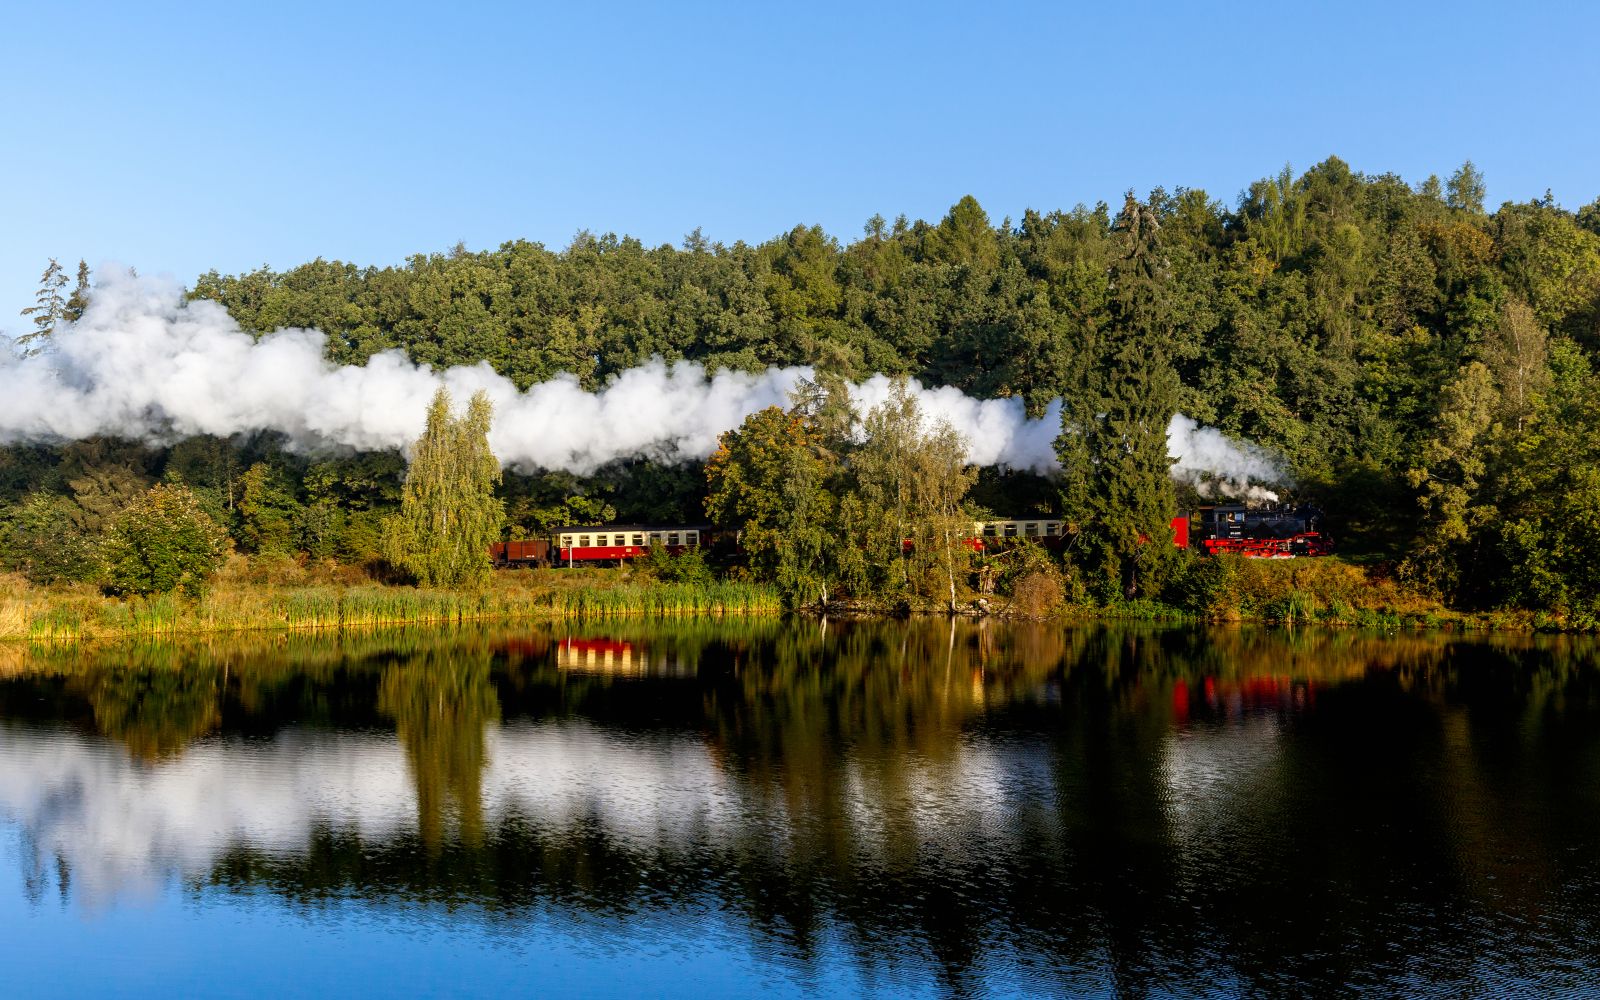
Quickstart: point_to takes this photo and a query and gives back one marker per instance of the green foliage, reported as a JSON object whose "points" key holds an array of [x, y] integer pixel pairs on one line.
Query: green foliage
{"points": [[768, 481], [686, 567], [449, 515], [530, 518], [49, 308], [268, 513], [1455, 462], [817, 511], [1113, 446], [911, 481], [79, 300], [39, 541], [1466, 189], [161, 543], [1331, 315], [1203, 585]]}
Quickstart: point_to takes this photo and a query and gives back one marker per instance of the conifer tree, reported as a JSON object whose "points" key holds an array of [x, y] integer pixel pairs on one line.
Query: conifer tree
{"points": [[1466, 189], [79, 300], [1113, 446], [449, 515], [49, 308]]}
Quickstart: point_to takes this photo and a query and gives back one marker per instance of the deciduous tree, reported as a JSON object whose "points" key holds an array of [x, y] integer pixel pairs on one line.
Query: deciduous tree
{"points": [[449, 514]]}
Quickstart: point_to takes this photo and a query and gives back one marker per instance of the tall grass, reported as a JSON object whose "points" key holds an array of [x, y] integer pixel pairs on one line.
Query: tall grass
{"points": [[668, 600], [241, 600]]}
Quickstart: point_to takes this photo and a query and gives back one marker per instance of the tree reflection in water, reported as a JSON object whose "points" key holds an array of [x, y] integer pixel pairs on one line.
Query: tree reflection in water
{"points": [[1122, 808], [441, 699]]}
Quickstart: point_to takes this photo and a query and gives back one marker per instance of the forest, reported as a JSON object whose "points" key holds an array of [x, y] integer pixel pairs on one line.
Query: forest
{"points": [[1424, 367]]}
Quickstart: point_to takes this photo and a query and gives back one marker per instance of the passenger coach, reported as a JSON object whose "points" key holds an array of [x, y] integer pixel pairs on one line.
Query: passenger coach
{"points": [[619, 542]]}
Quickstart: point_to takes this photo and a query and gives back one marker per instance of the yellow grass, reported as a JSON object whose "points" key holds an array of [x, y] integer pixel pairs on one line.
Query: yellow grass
{"points": [[282, 594]]}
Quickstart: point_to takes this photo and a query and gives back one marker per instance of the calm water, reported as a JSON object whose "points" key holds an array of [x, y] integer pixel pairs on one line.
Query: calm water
{"points": [[798, 809]]}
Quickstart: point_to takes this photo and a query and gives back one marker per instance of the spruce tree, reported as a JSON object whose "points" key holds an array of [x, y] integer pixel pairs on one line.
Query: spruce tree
{"points": [[449, 515], [49, 308], [80, 295], [1113, 448]]}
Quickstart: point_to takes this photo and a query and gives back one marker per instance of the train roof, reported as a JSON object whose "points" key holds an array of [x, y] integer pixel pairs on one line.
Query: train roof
{"points": [[564, 529]]}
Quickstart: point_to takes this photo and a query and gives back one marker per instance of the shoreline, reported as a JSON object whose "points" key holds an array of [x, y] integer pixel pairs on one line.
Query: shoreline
{"points": [[75, 614], [79, 614]]}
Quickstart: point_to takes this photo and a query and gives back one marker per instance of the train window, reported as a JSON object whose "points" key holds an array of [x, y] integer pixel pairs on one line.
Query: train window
{"points": [[1031, 529], [1011, 529], [637, 540], [1051, 529], [691, 538], [990, 530], [583, 541], [672, 538]]}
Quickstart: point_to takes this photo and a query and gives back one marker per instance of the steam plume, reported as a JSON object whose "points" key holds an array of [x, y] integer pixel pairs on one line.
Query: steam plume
{"points": [[1217, 466], [144, 363]]}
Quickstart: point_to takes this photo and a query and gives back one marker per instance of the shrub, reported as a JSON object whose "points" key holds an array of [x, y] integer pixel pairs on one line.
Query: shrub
{"points": [[41, 543], [1205, 585], [163, 542], [1031, 576], [1037, 594], [688, 567]]}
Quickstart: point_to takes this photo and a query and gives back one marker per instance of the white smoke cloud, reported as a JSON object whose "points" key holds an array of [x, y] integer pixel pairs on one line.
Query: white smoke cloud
{"points": [[145, 363], [1218, 466]]}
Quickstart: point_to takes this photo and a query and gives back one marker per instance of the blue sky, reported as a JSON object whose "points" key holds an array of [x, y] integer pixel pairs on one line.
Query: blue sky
{"points": [[180, 137]]}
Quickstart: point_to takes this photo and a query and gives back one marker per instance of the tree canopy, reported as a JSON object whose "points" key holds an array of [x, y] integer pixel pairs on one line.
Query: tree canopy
{"points": [[449, 514], [1423, 362]]}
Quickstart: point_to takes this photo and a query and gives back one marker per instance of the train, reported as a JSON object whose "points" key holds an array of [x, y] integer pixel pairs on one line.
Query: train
{"points": [[574, 544], [1272, 531], [1269, 531]]}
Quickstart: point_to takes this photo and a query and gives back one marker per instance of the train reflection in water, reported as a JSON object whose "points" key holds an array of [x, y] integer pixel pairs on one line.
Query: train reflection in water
{"points": [[1122, 808], [618, 658], [1236, 698]]}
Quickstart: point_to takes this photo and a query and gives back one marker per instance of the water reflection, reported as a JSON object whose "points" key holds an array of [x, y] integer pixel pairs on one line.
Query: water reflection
{"points": [[977, 806]]}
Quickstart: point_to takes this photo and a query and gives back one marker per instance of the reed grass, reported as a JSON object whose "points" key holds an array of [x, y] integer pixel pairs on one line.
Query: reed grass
{"points": [[242, 600]]}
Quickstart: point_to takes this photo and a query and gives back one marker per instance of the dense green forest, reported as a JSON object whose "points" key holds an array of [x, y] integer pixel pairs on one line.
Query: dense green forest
{"points": [[1426, 368]]}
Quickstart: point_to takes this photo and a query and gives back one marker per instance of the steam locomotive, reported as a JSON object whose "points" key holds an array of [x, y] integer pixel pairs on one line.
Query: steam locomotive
{"points": [[1273, 531], [1270, 531]]}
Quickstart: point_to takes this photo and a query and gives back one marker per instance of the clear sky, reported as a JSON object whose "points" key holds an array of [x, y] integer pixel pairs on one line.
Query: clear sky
{"points": [[182, 137]]}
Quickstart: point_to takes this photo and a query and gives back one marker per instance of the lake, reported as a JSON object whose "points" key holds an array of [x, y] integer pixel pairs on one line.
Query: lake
{"points": [[802, 808]]}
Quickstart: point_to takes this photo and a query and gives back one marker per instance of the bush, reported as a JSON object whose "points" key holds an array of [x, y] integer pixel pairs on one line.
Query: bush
{"points": [[689, 567], [41, 543], [1033, 579], [1037, 594], [1204, 585], [163, 542]]}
